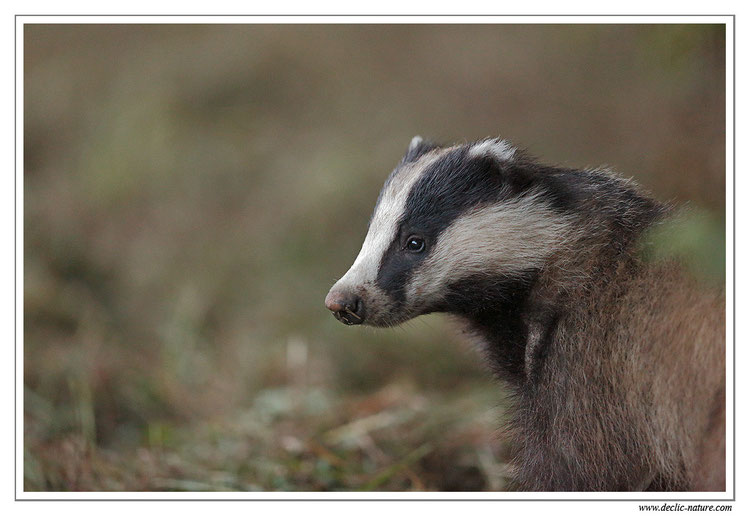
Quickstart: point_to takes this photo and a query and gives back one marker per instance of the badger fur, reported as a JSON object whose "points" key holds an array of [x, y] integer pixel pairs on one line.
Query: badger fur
{"points": [[615, 364]]}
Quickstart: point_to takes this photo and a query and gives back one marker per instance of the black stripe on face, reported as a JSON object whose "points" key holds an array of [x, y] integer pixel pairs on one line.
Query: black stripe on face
{"points": [[449, 188], [446, 189], [412, 155]]}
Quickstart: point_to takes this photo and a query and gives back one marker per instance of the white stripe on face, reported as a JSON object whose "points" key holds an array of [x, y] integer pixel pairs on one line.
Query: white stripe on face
{"points": [[505, 238], [384, 223]]}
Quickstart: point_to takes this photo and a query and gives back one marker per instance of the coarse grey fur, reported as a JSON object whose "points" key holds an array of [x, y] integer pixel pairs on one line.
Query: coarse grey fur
{"points": [[615, 364]]}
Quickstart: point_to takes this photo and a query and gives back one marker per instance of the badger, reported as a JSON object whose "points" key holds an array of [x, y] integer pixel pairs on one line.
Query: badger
{"points": [[614, 363]]}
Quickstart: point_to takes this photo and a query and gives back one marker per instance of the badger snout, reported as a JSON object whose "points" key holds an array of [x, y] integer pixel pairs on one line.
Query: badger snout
{"points": [[347, 307]]}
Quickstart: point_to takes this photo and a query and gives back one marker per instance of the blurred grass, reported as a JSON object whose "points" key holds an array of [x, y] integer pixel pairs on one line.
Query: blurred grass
{"points": [[192, 191]]}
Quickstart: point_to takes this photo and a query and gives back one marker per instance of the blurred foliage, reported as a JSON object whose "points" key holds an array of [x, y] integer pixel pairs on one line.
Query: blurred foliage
{"points": [[694, 238], [192, 191]]}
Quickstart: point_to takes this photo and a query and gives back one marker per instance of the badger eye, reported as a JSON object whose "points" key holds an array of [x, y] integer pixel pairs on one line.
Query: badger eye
{"points": [[415, 244]]}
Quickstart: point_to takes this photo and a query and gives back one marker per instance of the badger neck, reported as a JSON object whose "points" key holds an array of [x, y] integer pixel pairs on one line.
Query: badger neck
{"points": [[496, 313], [517, 317]]}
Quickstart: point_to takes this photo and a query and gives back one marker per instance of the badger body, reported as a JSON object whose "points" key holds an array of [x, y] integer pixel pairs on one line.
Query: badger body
{"points": [[615, 364]]}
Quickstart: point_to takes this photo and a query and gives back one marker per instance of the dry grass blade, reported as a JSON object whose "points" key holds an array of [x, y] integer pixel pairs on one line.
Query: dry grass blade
{"points": [[354, 430], [404, 463]]}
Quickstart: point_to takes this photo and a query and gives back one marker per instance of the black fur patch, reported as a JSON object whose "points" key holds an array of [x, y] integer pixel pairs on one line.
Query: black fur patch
{"points": [[448, 188], [396, 268], [495, 306]]}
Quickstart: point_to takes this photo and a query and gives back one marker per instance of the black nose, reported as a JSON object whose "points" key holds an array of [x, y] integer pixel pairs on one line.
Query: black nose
{"points": [[347, 307]]}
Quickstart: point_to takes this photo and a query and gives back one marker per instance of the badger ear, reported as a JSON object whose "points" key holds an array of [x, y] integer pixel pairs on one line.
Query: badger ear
{"points": [[494, 148], [418, 147]]}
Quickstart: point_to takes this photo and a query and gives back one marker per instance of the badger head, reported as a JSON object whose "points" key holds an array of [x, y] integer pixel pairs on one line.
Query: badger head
{"points": [[450, 225]]}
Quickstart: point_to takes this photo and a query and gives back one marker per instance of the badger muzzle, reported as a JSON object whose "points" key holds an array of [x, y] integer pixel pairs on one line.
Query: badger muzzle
{"points": [[347, 307]]}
